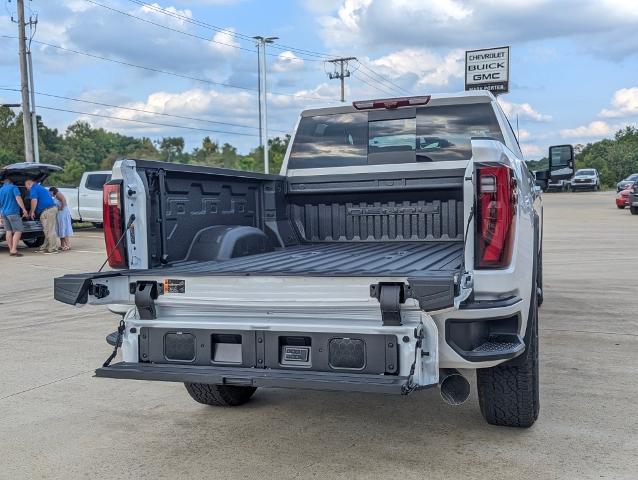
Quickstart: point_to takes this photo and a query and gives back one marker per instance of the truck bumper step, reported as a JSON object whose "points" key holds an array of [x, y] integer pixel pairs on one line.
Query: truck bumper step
{"points": [[255, 377]]}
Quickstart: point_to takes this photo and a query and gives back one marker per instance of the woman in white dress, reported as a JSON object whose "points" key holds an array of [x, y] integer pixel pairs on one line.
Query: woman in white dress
{"points": [[64, 227]]}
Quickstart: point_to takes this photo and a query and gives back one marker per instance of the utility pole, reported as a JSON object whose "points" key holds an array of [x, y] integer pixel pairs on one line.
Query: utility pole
{"points": [[342, 73], [24, 85], [34, 117], [263, 100]]}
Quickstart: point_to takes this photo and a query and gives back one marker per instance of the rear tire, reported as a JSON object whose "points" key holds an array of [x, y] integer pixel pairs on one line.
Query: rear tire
{"points": [[633, 210], [219, 395], [509, 393], [33, 242]]}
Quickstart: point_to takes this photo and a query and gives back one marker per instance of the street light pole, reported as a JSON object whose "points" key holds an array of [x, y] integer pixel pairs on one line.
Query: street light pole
{"points": [[34, 117], [263, 110], [261, 134]]}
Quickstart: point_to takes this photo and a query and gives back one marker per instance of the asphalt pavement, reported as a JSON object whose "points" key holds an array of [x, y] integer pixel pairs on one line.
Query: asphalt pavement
{"points": [[57, 421]]}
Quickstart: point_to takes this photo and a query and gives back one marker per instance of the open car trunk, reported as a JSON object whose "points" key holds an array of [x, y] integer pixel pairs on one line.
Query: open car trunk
{"points": [[32, 234]]}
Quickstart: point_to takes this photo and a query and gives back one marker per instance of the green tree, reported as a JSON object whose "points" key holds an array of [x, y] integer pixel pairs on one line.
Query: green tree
{"points": [[171, 149]]}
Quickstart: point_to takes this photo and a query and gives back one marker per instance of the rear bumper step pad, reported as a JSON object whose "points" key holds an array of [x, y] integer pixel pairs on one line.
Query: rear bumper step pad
{"points": [[257, 377]]}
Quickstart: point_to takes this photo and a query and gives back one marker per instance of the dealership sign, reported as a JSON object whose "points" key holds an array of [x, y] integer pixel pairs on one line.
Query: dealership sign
{"points": [[488, 69]]}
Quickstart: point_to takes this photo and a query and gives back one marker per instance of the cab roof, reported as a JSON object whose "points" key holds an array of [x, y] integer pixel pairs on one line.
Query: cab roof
{"points": [[459, 98]]}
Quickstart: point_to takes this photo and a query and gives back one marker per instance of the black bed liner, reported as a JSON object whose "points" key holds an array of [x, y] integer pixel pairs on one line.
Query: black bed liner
{"points": [[333, 259]]}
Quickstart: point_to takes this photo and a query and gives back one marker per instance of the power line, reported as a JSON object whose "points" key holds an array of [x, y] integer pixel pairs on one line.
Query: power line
{"points": [[148, 123], [165, 72], [380, 78], [167, 27], [176, 30], [358, 71], [182, 117], [216, 28]]}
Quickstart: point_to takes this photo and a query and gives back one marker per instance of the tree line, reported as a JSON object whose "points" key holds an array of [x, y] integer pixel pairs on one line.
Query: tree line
{"points": [[85, 148]]}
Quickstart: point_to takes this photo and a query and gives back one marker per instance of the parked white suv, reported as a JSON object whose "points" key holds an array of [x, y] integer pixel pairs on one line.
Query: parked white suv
{"points": [[586, 179], [401, 242]]}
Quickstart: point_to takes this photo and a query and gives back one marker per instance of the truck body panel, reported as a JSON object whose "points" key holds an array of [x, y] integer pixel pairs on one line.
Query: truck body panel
{"points": [[375, 248]]}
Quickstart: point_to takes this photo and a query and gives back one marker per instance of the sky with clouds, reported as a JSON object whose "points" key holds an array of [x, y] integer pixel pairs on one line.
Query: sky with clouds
{"points": [[574, 63]]}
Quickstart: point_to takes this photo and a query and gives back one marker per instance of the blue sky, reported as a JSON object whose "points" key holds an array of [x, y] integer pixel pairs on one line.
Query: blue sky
{"points": [[574, 63]]}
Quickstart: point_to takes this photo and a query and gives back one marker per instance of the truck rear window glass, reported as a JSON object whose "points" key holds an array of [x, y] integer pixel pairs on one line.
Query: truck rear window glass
{"points": [[96, 181], [434, 133]]}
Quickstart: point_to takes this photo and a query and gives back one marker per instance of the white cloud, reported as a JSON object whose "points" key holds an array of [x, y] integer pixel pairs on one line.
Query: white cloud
{"points": [[322, 6], [532, 151], [421, 66], [624, 103], [225, 42], [209, 2], [523, 134], [77, 5], [109, 33], [197, 103], [523, 110], [604, 27], [593, 129], [287, 62]]}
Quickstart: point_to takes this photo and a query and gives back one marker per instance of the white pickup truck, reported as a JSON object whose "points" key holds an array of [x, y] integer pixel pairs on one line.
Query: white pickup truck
{"points": [[400, 244], [85, 201]]}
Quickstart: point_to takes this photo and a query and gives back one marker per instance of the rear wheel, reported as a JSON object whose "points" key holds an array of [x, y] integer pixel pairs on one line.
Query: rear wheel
{"points": [[509, 393], [33, 242], [219, 395], [633, 210]]}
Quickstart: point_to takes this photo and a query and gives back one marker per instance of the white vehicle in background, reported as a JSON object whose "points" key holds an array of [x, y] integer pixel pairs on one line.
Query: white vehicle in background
{"points": [[586, 179], [85, 201]]}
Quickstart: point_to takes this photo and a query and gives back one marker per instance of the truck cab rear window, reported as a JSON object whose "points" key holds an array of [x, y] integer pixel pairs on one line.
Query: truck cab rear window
{"points": [[426, 134], [96, 181]]}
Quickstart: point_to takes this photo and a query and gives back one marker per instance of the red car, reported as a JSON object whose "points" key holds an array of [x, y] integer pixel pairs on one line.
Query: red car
{"points": [[622, 198]]}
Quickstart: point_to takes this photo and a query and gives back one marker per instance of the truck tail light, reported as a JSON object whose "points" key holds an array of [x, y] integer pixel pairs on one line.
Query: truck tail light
{"points": [[113, 224], [496, 217]]}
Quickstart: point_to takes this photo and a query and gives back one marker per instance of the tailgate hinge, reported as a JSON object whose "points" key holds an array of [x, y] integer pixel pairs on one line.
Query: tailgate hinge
{"points": [[390, 296], [146, 292]]}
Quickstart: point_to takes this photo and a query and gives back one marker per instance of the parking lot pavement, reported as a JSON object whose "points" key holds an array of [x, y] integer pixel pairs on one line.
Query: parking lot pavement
{"points": [[58, 422]]}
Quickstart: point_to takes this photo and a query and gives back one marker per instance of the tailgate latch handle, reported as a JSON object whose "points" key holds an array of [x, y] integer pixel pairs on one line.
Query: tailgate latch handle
{"points": [[390, 296]]}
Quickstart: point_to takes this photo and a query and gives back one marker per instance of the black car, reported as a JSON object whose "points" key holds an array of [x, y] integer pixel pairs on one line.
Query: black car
{"points": [[33, 236], [626, 182]]}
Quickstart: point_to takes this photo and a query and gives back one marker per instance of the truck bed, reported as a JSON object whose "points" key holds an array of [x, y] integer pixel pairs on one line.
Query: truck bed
{"points": [[334, 259]]}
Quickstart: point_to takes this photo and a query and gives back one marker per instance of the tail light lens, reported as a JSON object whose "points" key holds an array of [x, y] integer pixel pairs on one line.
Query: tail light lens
{"points": [[114, 224], [496, 220]]}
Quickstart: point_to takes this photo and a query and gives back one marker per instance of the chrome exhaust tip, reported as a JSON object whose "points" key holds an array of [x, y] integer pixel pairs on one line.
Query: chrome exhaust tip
{"points": [[454, 387]]}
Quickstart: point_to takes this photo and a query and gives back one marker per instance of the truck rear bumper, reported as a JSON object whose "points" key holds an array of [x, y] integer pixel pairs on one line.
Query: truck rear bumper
{"points": [[254, 377]]}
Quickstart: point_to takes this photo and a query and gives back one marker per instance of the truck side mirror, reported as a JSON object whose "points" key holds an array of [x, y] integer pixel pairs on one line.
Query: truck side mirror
{"points": [[561, 162], [541, 179]]}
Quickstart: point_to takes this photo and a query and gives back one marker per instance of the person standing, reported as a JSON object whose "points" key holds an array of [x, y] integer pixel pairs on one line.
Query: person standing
{"points": [[10, 205], [42, 204], [64, 228]]}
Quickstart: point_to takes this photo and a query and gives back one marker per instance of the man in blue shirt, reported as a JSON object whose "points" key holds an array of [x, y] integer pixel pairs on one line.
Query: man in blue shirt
{"points": [[10, 205], [42, 204]]}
